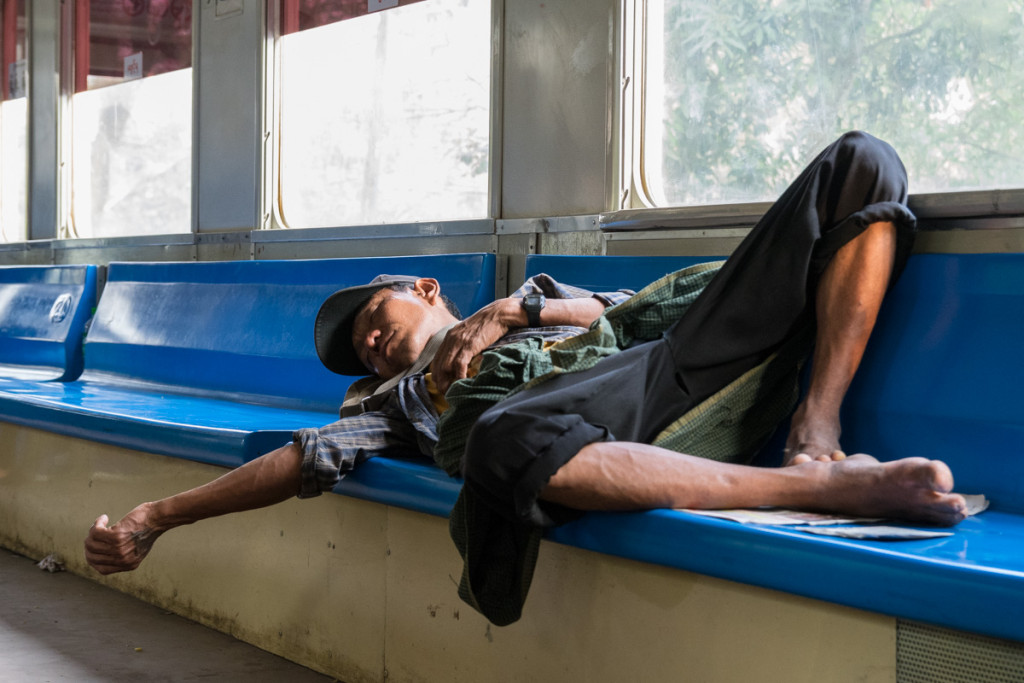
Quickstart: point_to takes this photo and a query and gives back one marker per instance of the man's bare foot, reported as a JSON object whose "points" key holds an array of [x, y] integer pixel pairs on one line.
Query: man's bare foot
{"points": [[911, 489], [812, 437], [123, 546]]}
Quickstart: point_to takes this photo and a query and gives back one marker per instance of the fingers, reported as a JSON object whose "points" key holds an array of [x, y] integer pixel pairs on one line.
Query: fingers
{"points": [[100, 547], [449, 364], [110, 559], [454, 356], [117, 548], [445, 381], [470, 337]]}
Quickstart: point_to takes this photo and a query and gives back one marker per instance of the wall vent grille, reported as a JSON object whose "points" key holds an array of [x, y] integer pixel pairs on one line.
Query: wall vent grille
{"points": [[931, 654]]}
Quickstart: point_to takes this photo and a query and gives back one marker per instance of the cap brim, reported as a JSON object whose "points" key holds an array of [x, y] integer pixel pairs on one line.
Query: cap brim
{"points": [[333, 330]]}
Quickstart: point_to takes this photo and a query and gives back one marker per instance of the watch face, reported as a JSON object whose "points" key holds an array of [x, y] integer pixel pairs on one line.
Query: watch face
{"points": [[532, 304]]}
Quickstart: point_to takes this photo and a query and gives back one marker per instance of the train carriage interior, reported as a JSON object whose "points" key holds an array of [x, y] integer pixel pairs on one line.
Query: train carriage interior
{"points": [[183, 183]]}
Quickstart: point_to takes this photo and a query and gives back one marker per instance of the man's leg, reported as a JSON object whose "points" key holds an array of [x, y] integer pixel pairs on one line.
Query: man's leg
{"points": [[628, 476], [849, 297], [624, 476], [617, 475], [769, 288], [267, 480], [784, 276]]}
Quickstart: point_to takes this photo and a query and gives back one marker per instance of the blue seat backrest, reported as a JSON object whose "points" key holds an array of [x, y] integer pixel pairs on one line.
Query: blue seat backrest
{"points": [[245, 328], [609, 273], [43, 313], [943, 372]]}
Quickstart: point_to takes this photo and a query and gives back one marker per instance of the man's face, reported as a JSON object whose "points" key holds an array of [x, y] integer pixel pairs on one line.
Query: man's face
{"points": [[392, 328]]}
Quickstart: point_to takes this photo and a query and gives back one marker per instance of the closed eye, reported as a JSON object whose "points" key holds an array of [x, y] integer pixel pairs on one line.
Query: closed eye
{"points": [[363, 325]]}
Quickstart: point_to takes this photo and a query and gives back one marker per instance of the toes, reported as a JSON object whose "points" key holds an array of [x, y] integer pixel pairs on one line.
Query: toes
{"points": [[862, 457], [799, 459], [951, 510], [930, 474], [943, 478]]}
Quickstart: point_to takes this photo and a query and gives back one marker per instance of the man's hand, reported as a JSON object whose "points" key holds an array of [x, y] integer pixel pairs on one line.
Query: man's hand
{"points": [[473, 335], [123, 546], [470, 337]]}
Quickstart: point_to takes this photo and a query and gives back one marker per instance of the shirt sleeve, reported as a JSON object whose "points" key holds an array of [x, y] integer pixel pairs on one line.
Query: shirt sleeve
{"points": [[406, 423], [543, 283]]}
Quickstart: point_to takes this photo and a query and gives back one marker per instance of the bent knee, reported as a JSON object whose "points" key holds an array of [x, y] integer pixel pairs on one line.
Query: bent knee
{"points": [[869, 151], [497, 440], [511, 455], [505, 444]]}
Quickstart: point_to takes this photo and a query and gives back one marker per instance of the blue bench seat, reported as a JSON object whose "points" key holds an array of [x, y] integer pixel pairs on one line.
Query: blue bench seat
{"points": [[939, 380], [43, 313], [937, 328], [215, 361], [156, 419]]}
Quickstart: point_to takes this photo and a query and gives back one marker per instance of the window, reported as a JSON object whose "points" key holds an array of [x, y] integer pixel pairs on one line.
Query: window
{"points": [[14, 123], [132, 110], [385, 116], [741, 93]]}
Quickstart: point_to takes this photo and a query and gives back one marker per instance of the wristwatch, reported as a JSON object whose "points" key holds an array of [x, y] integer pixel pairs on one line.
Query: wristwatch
{"points": [[533, 304]]}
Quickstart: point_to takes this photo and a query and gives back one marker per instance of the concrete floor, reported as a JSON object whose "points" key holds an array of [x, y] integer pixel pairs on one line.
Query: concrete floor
{"points": [[61, 627]]}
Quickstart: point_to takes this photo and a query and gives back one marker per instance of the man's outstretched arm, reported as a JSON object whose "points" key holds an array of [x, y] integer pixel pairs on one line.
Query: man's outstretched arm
{"points": [[267, 480]]}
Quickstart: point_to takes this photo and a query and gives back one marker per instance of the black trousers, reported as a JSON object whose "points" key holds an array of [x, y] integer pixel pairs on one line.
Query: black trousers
{"points": [[763, 295]]}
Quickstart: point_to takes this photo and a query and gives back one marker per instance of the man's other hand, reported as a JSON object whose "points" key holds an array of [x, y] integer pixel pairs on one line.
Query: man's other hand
{"points": [[123, 546], [471, 336]]}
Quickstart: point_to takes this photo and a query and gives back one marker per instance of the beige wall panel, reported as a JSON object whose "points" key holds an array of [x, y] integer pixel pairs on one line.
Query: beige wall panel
{"points": [[592, 617], [588, 243], [103, 255], [669, 243], [17, 256], [224, 250], [970, 241], [304, 579]]}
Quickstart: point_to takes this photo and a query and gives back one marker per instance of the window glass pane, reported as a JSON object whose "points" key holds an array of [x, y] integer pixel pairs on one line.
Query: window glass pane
{"points": [[741, 92], [132, 169], [117, 40], [385, 117], [14, 123], [132, 141], [13, 185]]}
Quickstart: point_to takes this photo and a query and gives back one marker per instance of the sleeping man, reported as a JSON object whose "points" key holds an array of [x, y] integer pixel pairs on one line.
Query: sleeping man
{"points": [[557, 401]]}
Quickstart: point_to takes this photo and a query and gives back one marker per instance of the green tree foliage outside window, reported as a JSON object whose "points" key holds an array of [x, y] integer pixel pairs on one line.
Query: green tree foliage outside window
{"points": [[752, 88]]}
